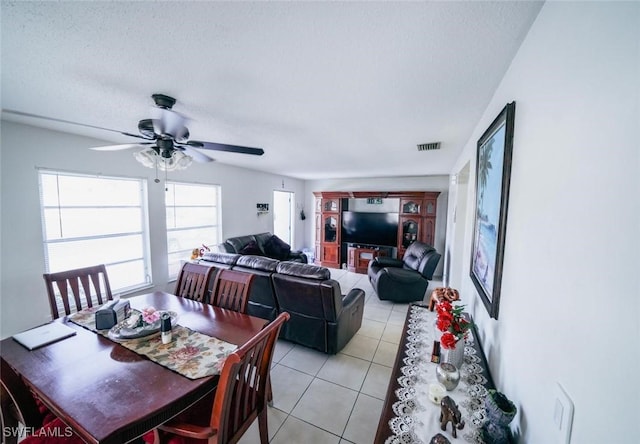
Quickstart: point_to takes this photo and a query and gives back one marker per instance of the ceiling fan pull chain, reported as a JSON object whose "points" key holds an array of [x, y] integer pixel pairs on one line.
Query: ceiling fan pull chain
{"points": [[156, 165]]}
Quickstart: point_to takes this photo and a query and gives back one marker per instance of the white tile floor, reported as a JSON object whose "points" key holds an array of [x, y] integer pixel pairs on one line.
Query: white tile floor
{"points": [[321, 398]]}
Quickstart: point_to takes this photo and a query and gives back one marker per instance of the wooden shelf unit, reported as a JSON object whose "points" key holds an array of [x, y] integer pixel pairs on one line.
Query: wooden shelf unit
{"points": [[328, 223], [417, 221], [358, 257]]}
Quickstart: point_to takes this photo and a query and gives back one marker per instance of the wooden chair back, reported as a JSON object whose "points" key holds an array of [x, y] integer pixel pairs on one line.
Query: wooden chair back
{"points": [[81, 284], [241, 395], [18, 404], [231, 290], [193, 282]]}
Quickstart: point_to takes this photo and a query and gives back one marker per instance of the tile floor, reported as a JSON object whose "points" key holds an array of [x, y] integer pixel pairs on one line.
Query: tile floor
{"points": [[321, 398]]}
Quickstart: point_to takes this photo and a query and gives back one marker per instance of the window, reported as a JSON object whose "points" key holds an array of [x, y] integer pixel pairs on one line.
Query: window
{"points": [[193, 219], [89, 220]]}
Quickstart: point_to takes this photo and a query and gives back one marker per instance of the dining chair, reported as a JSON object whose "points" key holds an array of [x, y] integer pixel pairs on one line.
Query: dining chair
{"points": [[18, 405], [86, 285], [21, 413], [240, 397], [193, 282], [231, 290]]}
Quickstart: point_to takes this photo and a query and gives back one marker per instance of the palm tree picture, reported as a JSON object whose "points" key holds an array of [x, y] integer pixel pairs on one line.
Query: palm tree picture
{"points": [[492, 176]]}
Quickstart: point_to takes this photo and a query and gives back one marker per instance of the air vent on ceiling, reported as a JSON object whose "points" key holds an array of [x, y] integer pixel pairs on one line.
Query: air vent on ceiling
{"points": [[429, 146]]}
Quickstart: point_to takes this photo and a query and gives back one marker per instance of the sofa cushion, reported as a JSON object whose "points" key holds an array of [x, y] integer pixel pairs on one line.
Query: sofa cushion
{"points": [[237, 243], [221, 258], [258, 263], [277, 248], [414, 255], [251, 248], [304, 270], [262, 238]]}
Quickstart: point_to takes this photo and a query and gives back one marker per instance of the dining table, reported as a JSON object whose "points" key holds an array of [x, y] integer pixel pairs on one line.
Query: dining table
{"points": [[108, 393]]}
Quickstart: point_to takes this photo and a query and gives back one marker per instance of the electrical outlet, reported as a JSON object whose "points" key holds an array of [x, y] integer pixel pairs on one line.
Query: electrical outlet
{"points": [[562, 415]]}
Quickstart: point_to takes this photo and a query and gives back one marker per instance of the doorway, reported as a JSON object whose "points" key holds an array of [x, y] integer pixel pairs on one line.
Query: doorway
{"points": [[457, 269], [283, 214]]}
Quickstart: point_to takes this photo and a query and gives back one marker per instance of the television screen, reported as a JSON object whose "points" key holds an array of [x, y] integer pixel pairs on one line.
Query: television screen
{"points": [[370, 228]]}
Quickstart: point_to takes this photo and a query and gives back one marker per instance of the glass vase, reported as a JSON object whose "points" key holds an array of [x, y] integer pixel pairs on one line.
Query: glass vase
{"points": [[453, 356]]}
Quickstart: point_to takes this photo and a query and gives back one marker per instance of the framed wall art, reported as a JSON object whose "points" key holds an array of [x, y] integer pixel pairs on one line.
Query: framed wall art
{"points": [[493, 172]]}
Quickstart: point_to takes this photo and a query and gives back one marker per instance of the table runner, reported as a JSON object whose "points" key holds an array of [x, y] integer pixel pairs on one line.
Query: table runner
{"points": [[416, 418], [190, 353]]}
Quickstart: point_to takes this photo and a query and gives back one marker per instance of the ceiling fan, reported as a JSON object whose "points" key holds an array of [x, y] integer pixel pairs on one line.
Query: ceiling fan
{"points": [[166, 143]]}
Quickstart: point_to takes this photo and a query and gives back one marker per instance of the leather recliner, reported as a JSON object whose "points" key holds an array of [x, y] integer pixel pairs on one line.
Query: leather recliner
{"points": [[262, 301], [404, 280], [321, 316]]}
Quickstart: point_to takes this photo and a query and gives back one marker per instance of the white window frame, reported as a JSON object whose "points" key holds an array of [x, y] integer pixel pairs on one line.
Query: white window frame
{"points": [[216, 227], [93, 257]]}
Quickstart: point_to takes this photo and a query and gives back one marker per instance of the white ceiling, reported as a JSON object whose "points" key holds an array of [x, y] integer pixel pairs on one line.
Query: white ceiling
{"points": [[328, 89]]}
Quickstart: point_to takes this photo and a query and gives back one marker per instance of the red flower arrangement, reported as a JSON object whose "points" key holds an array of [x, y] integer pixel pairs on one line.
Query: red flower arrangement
{"points": [[451, 323]]}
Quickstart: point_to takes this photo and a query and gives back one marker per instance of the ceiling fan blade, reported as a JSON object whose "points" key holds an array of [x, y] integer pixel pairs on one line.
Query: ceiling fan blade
{"points": [[197, 155], [53, 119], [169, 122], [124, 146], [225, 147]]}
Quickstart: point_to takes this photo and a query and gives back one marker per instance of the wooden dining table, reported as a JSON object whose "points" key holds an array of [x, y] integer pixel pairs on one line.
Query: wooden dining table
{"points": [[108, 393]]}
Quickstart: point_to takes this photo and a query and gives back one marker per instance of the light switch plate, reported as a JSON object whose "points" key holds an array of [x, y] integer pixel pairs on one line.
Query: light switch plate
{"points": [[562, 415]]}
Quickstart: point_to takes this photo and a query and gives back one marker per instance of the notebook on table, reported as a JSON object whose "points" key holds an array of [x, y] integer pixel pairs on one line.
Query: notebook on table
{"points": [[44, 335]]}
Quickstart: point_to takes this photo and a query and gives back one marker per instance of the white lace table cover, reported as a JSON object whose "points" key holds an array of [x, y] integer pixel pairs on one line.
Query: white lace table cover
{"points": [[417, 419]]}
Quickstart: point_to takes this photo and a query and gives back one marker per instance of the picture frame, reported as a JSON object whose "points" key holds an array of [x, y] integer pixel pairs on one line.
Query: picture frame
{"points": [[493, 176]]}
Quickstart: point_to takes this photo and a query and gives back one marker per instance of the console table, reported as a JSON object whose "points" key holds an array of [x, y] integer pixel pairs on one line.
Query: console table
{"points": [[408, 416]]}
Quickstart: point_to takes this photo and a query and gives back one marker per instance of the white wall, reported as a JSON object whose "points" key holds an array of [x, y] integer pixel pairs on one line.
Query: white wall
{"points": [[570, 289], [24, 148], [409, 183]]}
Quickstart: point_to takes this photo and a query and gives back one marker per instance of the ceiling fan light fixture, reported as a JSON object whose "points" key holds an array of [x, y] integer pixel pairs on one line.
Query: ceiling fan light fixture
{"points": [[178, 161], [150, 158], [146, 157]]}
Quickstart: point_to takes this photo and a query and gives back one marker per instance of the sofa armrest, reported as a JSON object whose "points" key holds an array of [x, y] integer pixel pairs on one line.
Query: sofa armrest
{"points": [[298, 256], [402, 275], [226, 248], [384, 261], [348, 323], [352, 297]]}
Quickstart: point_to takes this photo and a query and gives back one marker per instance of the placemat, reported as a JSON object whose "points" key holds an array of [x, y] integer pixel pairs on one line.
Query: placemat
{"points": [[190, 353]]}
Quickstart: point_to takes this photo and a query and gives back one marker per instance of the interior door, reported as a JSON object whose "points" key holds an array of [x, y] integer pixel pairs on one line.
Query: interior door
{"points": [[283, 213]]}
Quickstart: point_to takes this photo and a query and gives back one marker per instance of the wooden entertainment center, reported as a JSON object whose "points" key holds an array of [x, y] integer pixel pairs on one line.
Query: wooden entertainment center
{"points": [[417, 222]]}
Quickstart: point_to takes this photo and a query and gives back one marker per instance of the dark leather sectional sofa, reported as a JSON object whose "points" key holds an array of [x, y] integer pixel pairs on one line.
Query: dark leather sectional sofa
{"points": [[262, 244], [321, 316]]}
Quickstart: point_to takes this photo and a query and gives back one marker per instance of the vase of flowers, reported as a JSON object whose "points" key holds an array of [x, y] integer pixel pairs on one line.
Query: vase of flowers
{"points": [[455, 329]]}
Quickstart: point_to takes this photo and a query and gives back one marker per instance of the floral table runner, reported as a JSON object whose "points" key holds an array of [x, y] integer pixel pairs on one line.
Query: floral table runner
{"points": [[417, 419], [190, 353]]}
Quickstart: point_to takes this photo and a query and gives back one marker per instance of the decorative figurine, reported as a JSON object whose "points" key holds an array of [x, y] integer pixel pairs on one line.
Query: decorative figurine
{"points": [[449, 413], [442, 293], [439, 439]]}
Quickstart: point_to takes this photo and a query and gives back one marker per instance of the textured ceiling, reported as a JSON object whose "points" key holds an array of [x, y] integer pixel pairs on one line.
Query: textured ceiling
{"points": [[328, 89]]}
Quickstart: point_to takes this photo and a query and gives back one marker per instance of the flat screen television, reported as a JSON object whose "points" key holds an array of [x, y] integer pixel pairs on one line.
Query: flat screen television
{"points": [[370, 228]]}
